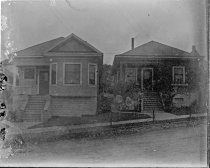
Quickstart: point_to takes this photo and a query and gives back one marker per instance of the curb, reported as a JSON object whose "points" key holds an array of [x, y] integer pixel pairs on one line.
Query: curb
{"points": [[72, 127], [54, 133]]}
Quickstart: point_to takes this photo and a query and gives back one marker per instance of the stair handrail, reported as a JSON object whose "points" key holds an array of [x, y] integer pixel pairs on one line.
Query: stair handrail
{"points": [[47, 105], [23, 107], [141, 98], [46, 108]]}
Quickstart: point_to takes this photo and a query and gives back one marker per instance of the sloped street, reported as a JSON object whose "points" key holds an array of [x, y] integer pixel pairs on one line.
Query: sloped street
{"points": [[165, 147]]}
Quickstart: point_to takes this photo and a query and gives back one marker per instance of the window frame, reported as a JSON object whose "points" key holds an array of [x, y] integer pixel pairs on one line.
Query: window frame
{"points": [[173, 75], [34, 76], [95, 74], [64, 73], [56, 76], [118, 76], [136, 78]]}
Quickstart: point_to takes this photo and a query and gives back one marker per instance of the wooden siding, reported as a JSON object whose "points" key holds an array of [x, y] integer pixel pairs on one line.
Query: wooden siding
{"points": [[83, 89], [31, 61], [73, 106]]}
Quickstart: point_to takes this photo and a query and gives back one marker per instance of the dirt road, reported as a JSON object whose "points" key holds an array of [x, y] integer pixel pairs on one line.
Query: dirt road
{"points": [[166, 147]]}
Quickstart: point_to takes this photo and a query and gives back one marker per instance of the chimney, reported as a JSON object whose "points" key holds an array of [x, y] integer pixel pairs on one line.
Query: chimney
{"points": [[132, 43], [194, 51]]}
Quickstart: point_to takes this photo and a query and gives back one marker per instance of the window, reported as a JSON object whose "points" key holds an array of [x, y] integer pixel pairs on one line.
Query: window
{"points": [[53, 74], [178, 75], [92, 74], [29, 73], [130, 74], [72, 73]]}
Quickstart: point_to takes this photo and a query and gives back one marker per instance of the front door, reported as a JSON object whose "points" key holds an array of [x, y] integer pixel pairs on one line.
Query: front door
{"points": [[43, 82], [147, 79]]}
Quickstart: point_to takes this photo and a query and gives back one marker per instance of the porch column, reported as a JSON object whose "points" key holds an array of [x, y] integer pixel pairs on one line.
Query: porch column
{"points": [[121, 73], [14, 99]]}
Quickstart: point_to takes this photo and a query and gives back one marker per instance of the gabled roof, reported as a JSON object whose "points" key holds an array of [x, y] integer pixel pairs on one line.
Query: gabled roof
{"points": [[71, 43], [39, 49], [154, 48]]}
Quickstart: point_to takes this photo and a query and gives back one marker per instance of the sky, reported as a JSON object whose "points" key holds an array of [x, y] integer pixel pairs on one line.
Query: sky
{"points": [[108, 25]]}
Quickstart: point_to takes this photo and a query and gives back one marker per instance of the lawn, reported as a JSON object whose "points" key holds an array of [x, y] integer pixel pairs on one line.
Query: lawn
{"points": [[182, 111], [90, 119]]}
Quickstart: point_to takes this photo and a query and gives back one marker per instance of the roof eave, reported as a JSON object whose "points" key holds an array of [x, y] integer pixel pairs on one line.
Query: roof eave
{"points": [[30, 56], [71, 54], [157, 56]]}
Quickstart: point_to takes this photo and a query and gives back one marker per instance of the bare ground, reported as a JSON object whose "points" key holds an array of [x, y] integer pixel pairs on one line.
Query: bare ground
{"points": [[183, 146]]}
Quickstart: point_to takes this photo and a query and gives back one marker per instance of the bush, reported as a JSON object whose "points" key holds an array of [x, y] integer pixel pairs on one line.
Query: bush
{"points": [[185, 110], [127, 89], [104, 104], [166, 98], [168, 109]]}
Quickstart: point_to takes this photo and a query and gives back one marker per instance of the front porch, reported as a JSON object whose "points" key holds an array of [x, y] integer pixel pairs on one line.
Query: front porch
{"points": [[150, 74], [152, 77], [145, 76], [33, 80], [31, 92]]}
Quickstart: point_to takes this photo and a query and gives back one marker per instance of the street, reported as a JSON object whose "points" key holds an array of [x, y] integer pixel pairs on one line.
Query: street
{"points": [[166, 147]]}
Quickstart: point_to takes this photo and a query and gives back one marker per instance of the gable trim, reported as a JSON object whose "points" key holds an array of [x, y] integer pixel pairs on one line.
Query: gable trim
{"points": [[77, 38]]}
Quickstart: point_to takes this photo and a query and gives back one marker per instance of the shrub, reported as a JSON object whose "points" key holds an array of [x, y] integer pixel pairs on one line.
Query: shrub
{"points": [[127, 89], [167, 98], [104, 104]]}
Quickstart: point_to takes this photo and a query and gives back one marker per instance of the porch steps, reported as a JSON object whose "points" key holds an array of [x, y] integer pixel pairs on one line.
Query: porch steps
{"points": [[151, 101], [34, 108]]}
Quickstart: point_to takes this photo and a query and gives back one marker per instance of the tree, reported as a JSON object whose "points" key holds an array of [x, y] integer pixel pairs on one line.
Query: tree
{"points": [[106, 80]]}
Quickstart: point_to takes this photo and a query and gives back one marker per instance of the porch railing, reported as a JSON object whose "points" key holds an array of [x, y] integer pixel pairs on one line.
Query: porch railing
{"points": [[24, 90]]}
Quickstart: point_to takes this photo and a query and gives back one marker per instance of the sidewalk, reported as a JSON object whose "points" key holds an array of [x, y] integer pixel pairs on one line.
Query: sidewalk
{"points": [[61, 130]]}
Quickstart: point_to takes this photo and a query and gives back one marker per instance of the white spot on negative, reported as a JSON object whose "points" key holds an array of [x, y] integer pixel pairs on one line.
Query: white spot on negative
{"points": [[3, 23], [52, 2]]}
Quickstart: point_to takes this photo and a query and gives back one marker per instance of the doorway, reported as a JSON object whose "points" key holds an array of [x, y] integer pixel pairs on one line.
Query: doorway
{"points": [[43, 82], [147, 79]]}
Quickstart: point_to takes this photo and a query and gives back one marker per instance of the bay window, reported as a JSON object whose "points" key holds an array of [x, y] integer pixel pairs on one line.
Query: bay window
{"points": [[92, 74], [72, 73], [53, 74]]}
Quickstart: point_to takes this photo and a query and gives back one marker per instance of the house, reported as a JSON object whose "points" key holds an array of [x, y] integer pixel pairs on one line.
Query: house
{"points": [[57, 78], [155, 67]]}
